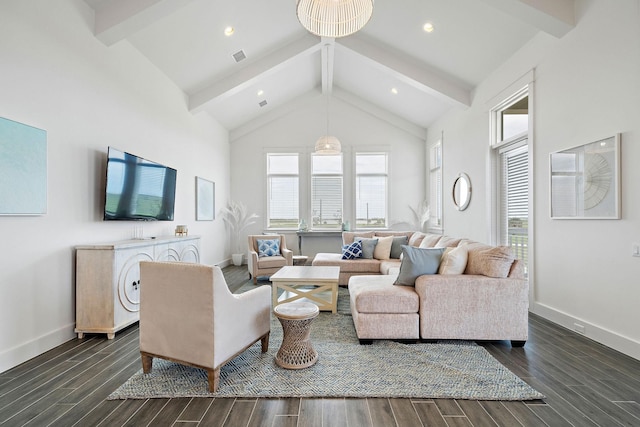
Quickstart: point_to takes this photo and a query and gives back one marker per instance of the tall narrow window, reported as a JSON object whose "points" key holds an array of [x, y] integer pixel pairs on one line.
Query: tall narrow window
{"points": [[435, 186], [510, 143], [371, 190], [282, 191], [514, 200], [326, 191]]}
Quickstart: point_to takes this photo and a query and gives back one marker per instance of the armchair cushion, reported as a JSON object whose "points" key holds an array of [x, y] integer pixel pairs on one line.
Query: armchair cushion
{"points": [[269, 247]]}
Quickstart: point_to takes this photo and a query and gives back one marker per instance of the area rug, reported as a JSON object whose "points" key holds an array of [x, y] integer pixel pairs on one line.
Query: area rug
{"points": [[460, 370]]}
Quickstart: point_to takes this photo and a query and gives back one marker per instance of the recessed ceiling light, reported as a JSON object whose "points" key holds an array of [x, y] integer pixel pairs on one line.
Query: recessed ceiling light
{"points": [[260, 92], [229, 31], [428, 27], [394, 91]]}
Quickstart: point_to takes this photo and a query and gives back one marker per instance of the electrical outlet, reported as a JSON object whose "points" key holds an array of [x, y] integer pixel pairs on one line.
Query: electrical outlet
{"points": [[635, 249], [578, 328]]}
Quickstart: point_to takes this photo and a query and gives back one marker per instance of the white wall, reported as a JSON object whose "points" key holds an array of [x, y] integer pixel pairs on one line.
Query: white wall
{"points": [[55, 75], [587, 87], [356, 130]]}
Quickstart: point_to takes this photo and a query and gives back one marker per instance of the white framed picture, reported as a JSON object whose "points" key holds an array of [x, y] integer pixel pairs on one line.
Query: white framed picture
{"points": [[585, 181], [205, 199]]}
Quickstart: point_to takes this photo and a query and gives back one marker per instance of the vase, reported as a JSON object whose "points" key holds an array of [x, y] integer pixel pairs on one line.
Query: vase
{"points": [[237, 259]]}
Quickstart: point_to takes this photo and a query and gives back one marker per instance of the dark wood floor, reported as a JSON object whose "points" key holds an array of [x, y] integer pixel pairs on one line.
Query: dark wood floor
{"points": [[586, 384]]}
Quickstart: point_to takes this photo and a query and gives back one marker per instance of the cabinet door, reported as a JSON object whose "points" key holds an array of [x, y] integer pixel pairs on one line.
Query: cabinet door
{"points": [[166, 252], [128, 282], [187, 250]]}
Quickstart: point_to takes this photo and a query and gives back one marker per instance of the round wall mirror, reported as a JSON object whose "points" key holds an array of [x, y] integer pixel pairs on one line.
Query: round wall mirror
{"points": [[462, 191]]}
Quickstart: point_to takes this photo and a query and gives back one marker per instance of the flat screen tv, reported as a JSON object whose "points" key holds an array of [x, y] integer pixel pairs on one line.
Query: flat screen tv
{"points": [[138, 189]]}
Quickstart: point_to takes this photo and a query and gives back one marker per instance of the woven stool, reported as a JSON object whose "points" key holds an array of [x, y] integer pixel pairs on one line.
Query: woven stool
{"points": [[296, 351]]}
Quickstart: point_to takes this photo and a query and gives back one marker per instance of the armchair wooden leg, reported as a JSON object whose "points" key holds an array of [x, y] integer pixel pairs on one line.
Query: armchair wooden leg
{"points": [[255, 279], [265, 342], [147, 362], [213, 375]]}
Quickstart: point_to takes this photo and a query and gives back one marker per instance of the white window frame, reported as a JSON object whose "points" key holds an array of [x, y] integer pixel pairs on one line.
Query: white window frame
{"points": [[269, 176], [334, 175], [435, 188], [384, 174], [518, 90]]}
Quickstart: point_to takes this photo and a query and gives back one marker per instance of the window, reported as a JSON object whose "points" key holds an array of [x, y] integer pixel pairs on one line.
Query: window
{"points": [[510, 125], [435, 186], [371, 190], [326, 191], [282, 191], [514, 199]]}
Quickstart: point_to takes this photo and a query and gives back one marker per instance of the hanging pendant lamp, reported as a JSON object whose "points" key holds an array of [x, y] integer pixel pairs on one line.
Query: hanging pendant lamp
{"points": [[334, 18], [328, 144]]}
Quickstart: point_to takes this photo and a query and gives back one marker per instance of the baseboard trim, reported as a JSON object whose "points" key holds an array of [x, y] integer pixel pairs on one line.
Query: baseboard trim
{"points": [[618, 342], [21, 353]]}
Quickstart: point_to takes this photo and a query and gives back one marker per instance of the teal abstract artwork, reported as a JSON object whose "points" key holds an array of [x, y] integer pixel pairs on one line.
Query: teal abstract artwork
{"points": [[23, 169]]}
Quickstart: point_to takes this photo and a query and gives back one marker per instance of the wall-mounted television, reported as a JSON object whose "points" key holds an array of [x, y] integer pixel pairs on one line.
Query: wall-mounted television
{"points": [[138, 189]]}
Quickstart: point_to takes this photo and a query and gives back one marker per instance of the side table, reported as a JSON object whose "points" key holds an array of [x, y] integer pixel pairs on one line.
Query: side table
{"points": [[296, 351]]}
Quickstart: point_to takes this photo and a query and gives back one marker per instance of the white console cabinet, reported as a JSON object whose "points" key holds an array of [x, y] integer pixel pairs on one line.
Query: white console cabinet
{"points": [[108, 279]]}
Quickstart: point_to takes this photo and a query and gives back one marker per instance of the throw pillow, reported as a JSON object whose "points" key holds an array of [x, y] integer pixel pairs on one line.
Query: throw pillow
{"points": [[396, 246], [454, 261], [352, 251], [383, 248], [416, 262], [493, 262], [269, 247], [368, 246]]}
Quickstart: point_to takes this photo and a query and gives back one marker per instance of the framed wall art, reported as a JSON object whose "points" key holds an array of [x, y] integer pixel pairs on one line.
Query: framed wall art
{"points": [[23, 169], [205, 199], [585, 181]]}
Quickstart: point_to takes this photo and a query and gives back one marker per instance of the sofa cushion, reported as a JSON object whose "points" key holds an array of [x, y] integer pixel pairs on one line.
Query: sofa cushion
{"points": [[268, 247], [360, 265], [383, 248], [493, 262], [447, 242], [368, 246], [430, 240], [352, 251], [396, 246], [387, 266], [348, 237], [454, 261], [376, 294], [416, 238], [416, 262]]}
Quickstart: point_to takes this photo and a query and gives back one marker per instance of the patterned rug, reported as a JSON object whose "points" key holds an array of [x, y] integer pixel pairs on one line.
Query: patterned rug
{"points": [[460, 370]]}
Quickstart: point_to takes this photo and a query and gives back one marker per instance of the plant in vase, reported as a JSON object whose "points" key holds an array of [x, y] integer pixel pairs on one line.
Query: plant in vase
{"points": [[237, 219]]}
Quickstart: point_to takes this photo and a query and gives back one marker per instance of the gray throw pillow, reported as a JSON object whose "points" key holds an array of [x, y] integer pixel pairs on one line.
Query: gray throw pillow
{"points": [[396, 246], [416, 262], [368, 246]]}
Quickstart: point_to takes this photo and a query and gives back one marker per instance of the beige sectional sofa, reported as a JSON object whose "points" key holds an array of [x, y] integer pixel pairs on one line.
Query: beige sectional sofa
{"points": [[486, 299]]}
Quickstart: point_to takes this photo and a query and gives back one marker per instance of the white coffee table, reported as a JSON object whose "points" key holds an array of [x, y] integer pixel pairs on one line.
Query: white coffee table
{"points": [[318, 285]]}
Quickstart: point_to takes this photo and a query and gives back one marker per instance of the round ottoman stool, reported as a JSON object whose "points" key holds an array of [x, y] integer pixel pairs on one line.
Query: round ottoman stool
{"points": [[296, 351]]}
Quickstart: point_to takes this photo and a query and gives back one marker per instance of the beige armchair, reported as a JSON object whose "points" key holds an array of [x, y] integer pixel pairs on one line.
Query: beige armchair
{"points": [[189, 316], [267, 265]]}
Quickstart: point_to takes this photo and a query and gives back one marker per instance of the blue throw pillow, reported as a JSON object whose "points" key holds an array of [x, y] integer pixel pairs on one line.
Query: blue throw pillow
{"points": [[396, 246], [269, 247], [416, 262], [352, 251], [368, 246]]}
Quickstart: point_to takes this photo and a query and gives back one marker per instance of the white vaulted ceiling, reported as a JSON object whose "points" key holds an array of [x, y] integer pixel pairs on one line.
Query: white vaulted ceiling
{"points": [[431, 72]]}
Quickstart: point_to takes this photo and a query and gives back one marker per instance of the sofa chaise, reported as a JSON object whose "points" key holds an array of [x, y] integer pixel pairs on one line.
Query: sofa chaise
{"points": [[479, 293]]}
